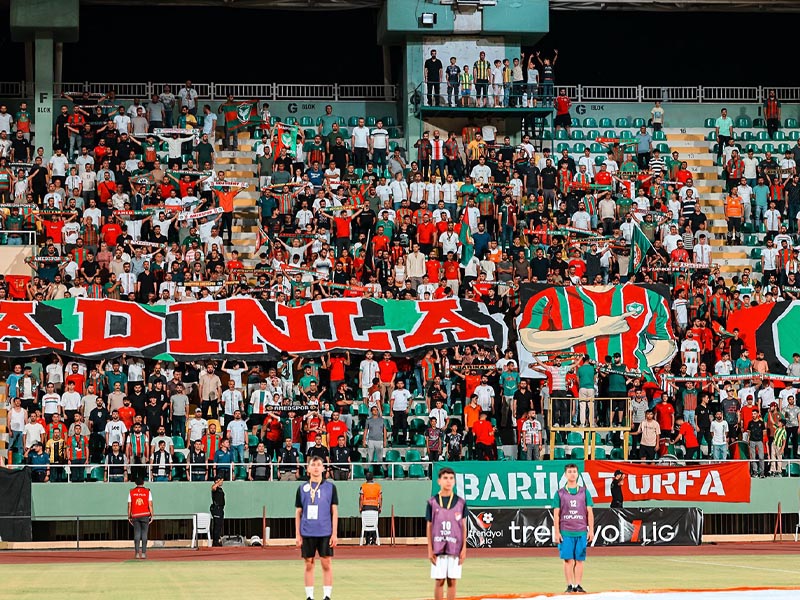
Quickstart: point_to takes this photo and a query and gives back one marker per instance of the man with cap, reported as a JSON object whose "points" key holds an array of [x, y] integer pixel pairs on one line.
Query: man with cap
{"points": [[39, 462], [755, 430]]}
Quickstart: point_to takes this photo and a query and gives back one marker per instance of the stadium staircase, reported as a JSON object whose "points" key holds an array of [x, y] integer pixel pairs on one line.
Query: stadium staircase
{"points": [[694, 147], [240, 165]]}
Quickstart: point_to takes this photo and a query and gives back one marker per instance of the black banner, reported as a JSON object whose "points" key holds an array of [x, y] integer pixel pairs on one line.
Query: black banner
{"points": [[533, 528], [15, 505]]}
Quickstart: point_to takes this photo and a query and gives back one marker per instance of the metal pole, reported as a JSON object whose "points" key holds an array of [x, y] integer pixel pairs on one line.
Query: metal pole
{"points": [[78, 532], [264, 526]]}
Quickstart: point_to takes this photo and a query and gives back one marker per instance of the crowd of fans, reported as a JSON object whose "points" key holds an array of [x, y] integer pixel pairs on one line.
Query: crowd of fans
{"points": [[348, 217]]}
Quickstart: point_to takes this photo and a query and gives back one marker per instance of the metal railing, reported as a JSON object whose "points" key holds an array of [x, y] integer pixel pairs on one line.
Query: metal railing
{"points": [[216, 91], [373, 91], [233, 471], [27, 238]]}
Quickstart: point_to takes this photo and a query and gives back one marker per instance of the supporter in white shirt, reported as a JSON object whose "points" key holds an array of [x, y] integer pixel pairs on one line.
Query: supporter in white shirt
{"points": [[58, 164], [449, 241], [481, 172], [417, 189], [383, 191], [671, 239], [485, 394], [581, 219], [702, 251], [611, 165], [399, 189], [587, 161], [360, 136], [788, 167]]}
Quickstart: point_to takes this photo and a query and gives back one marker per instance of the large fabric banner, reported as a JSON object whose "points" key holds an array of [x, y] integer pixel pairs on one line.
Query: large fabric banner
{"points": [[772, 329], [722, 482], [599, 320], [533, 528], [533, 484], [242, 328], [15, 505], [509, 483]]}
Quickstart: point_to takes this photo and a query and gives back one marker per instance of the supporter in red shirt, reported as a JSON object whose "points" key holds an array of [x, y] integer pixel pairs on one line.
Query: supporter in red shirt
{"points": [[76, 377], [686, 434], [111, 232], [683, 176], [432, 268], [337, 364], [665, 415], [483, 431], [336, 429], [380, 242], [127, 413], [426, 234]]}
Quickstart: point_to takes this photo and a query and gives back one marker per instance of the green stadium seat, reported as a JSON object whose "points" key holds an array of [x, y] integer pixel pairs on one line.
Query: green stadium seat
{"points": [[790, 123], [458, 408], [389, 122], [762, 136], [596, 148], [625, 134], [420, 409], [252, 440], [598, 160], [358, 471], [779, 136], [767, 147], [579, 147], [352, 122], [600, 453], [417, 425], [561, 147], [291, 120], [577, 454], [794, 469], [639, 122], [711, 136], [577, 134], [257, 134], [340, 121], [575, 122], [387, 411], [345, 133], [783, 148], [392, 146], [745, 136], [750, 147], [178, 443], [759, 122], [559, 453], [96, 474], [663, 148], [363, 410], [412, 456], [398, 472], [561, 134], [309, 133], [622, 122], [371, 121], [709, 122], [659, 136], [358, 439], [419, 440], [547, 135], [592, 135], [755, 253], [794, 135], [574, 439], [616, 454], [604, 122], [757, 268], [416, 471], [747, 228], [743, 121], [591, 122], [599, 439], [306, 121], [392, 456], [609, 133]]}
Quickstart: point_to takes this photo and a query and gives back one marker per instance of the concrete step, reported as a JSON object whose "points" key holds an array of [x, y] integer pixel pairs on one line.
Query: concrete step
{"points": [[668, 131], [687, 142]]}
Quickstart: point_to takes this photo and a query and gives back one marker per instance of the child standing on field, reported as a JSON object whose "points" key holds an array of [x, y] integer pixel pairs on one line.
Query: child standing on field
{"points": [[447, 535]]}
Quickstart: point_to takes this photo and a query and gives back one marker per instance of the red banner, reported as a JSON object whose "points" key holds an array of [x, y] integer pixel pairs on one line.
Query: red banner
{"points": [[722, 482]]}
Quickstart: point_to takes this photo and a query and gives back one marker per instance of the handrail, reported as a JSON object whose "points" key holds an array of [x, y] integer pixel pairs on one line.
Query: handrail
{"points": [[373, 91], [30, 236], [216, 91], [232, 468]]}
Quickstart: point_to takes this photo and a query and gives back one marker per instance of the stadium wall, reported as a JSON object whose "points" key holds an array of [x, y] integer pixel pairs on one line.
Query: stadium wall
{"points": [[245, 499]]}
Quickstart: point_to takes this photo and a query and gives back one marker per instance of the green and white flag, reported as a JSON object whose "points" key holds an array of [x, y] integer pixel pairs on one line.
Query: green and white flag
{"points": [[640, 246]]}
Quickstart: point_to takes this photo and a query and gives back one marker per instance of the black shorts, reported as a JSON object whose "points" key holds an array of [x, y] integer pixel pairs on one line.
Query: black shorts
{"points": [[481, 87], [562, 120], [316, 545], [618, 405]]}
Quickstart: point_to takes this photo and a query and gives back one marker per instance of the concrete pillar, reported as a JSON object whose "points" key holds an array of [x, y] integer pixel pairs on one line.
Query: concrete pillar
{"points": [[28, 91], [43, 93], [58, 66], [387, 69]]}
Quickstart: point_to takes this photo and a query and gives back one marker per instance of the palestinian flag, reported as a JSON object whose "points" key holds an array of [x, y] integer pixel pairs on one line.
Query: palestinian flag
{"points": [[770, 328], [241, 114], [465, 237], [720, 331], [284, 136], [640, 246], [262, 238]]}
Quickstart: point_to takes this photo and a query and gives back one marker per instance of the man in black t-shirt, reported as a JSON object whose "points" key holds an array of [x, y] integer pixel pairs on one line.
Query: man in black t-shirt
{"points": [[433, 77], [453, 76]]}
